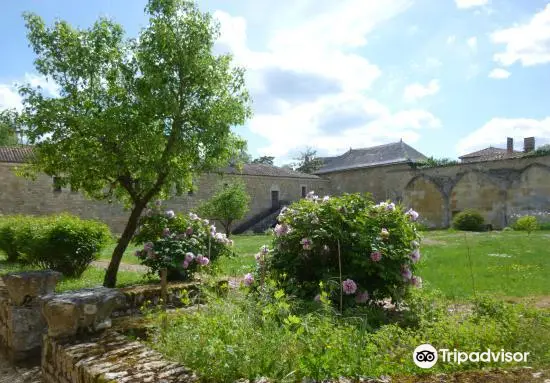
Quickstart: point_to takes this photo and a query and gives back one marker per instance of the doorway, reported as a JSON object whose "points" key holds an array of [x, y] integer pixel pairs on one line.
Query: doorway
{"points": [[274, 199]]}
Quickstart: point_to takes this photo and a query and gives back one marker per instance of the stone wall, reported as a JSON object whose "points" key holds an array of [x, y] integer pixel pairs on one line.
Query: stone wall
{"points": [[107, 357], [37, 197], [498, 189]]}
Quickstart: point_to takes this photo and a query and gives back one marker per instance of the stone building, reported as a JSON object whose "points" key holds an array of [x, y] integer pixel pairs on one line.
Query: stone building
{"points": [[268, 186], [498, 183]]}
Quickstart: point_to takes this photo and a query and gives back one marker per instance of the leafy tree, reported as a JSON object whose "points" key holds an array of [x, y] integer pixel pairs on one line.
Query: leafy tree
{"points": [[230, 203], [8, 134], [136, 118], [432, 162], [265, 160], [307, 162]]}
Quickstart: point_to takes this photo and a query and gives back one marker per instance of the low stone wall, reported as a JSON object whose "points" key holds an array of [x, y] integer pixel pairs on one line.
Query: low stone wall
{"points": [[136, 297], [107, 357], [21, 322]]}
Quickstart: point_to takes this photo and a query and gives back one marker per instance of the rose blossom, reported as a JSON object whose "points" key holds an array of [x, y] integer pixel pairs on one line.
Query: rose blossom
{"points": [[376, 256], [166, 232], [406, 273], [248, 279], [384, 233], [349, 286], [189, 257], [413, 215], [306, 243], [170, 214], [317, 298], [415, 255], [362, 297], [147, 246], [416, 281]]}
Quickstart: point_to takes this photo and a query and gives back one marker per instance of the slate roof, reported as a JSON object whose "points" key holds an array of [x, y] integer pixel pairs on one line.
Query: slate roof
{"points": [[15, 154], [266, 170], [490, 153], [394, 153], [19, 154]]}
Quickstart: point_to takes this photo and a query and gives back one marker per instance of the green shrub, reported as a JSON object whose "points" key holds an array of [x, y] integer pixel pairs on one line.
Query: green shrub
{"points": [[468, 220], [63, 243], [9, 226], [182, 244], [508, 228], [320, 345], [544, 226], [379, 246], [526, 223]]}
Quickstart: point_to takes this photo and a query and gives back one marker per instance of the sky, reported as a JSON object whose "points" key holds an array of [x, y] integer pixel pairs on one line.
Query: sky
{"points": [[448, 77]]}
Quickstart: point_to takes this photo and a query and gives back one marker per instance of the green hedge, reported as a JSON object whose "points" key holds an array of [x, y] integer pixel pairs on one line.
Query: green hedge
{"points": [[468, 220], [63, 243]]}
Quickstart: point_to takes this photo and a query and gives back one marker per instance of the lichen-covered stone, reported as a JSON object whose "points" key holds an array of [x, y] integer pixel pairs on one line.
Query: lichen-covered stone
{"points": [[86, 309], [24, 287], [108, 357]]}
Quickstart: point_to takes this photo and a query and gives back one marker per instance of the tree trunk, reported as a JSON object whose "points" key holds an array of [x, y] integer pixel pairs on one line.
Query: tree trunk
{"points": [[227, 228], [122, 245]]}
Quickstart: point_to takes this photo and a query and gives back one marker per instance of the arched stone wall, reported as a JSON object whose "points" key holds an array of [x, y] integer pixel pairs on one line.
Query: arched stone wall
{"points": [[531, 193], [424, 196], [475, 190]]}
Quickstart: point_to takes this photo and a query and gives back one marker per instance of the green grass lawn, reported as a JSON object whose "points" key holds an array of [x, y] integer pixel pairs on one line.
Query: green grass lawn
{"points": [[128, 257], [504, 264]]}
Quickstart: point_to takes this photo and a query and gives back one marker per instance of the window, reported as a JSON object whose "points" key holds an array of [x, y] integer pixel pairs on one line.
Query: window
{"points": [[57, 184], [304, 191]]}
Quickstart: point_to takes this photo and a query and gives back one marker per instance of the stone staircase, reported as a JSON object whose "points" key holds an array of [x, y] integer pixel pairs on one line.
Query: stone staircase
{"points": [[262, 221]]}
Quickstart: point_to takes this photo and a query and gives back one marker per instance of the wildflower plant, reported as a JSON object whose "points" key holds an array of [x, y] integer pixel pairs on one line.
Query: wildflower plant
{"points": [[367, 251], [181, 243]]}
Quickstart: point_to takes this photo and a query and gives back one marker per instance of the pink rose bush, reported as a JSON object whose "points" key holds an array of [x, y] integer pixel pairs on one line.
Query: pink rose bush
{"points": [[379, 249], [181, 243]]}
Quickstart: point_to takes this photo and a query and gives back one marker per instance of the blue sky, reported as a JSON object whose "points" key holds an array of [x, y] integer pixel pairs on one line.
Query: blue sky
{"points": [[446, 76]]}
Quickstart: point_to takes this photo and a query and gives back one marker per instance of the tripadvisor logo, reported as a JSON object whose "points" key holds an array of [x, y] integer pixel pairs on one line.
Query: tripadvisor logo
{"points": [[426, 356]]}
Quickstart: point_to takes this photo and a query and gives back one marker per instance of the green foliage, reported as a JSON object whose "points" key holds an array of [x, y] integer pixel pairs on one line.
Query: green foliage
{"points": [[230, 203], [265, 160], [320, 344], [9, 227], [8, 133], [543, 150], [432, 162], [63, 243], [468, 220], [378, 248], [307, 162], [136, 117], [182, 244], [526, 223]]}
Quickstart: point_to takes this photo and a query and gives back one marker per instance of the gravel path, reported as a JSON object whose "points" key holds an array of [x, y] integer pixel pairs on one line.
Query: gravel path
{"points": [[101, 264]]}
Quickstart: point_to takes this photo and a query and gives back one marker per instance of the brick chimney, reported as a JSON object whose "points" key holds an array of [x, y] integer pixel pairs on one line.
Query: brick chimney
{"points": [[510, 145], [528, 144]]}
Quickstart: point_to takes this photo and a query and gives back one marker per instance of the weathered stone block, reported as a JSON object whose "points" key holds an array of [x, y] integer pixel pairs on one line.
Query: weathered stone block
{"points": [[86, 309], [24, 287], [25, 328]]}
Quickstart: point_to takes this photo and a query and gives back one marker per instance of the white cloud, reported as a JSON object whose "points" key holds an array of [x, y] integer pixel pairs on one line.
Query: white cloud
{"points": [[527, 43], [309, 85], [48, 86], [416, 91], [472, 43], [499, 73], [465, 4], [494, 133], [451, 39], [9, 98]]}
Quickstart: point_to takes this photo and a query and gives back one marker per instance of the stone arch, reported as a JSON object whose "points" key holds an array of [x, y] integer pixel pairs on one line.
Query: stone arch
{"points": [[424, 196], [476, 190], [531, 192]]}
